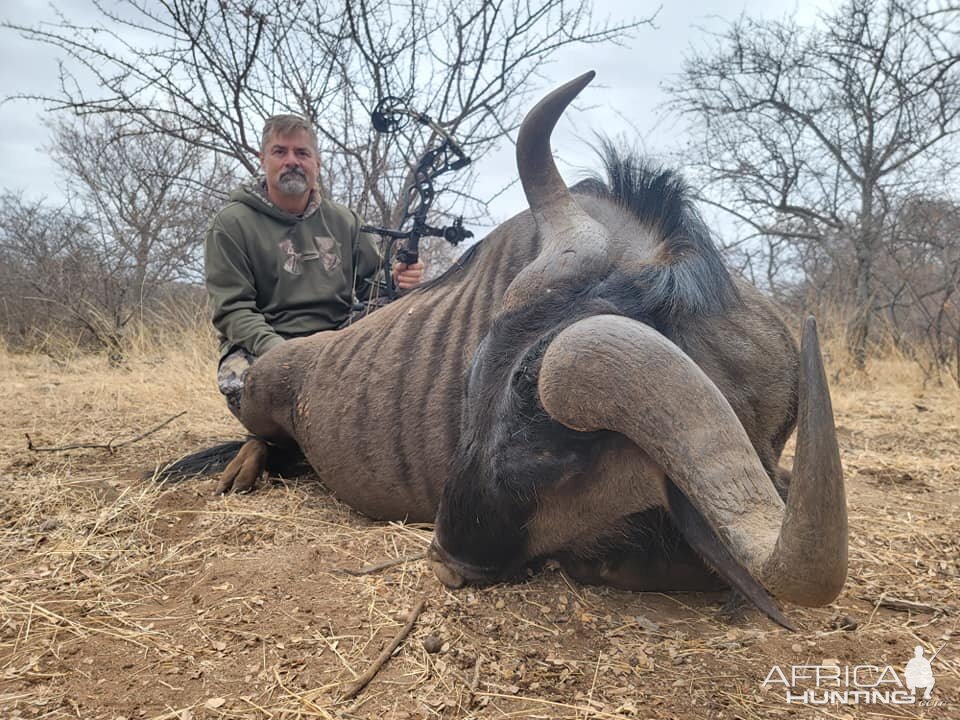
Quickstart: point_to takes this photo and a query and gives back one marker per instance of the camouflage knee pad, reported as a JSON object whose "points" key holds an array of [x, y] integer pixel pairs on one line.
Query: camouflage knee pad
{"points": [[230, 376]]}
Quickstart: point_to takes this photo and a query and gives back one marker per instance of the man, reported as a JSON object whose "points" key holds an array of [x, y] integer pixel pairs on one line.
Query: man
{"points": [[281, 261]]}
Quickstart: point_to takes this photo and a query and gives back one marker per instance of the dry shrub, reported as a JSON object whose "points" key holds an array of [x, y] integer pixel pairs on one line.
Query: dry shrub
{"points": [[891, 359]]}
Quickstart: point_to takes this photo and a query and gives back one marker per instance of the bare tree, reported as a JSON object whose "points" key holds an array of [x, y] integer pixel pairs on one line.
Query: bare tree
{"points": [[134, 222], [149, 195], [808, 134], [45, 254], [916, 274], [919, 283], [208, 73]]}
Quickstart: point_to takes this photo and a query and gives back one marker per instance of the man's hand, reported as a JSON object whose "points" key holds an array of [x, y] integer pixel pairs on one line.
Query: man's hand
{"points": [[407, 276]]}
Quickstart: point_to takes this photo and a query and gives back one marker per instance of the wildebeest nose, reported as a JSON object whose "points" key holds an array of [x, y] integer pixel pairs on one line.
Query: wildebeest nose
{"points": [[445, 574]]}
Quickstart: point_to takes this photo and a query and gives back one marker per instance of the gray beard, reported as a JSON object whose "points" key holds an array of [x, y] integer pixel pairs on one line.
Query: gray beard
{"points": [[292, 183]]}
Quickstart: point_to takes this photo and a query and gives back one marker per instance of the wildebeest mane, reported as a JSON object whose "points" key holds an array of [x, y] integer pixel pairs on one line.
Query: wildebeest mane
{"points": [[458, 266], [688, 276]]}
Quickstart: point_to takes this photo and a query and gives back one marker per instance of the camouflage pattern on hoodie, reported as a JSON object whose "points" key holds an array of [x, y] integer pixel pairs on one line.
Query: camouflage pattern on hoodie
{"points": [[272, 275]]}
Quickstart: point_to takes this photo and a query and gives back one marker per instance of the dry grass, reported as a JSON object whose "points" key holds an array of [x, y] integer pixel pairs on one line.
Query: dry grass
{"points": [[119, 598]]}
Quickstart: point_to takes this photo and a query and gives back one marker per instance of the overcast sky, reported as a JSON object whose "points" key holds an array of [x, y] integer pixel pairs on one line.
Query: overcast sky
{"points": [[624, 98]]}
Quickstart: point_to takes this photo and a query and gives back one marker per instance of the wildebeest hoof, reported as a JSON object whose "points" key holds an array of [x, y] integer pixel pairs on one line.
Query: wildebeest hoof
{"points": [[245, 469]]}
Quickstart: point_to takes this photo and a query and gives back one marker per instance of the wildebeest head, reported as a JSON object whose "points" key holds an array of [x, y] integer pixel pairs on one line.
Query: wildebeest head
{"points": [[582, 411]]}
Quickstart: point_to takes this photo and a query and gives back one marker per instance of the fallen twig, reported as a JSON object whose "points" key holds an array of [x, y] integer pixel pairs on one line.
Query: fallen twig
{"points": [[111, 445], [474, 683], [361, 682], [895, 603], [370, 569]]}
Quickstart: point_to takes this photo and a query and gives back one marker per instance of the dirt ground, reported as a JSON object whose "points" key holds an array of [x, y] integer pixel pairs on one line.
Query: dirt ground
{"points": [[120, 598]]}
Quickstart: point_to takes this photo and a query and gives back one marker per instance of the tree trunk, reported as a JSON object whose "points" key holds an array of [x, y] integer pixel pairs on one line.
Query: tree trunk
{"points": [[858, 331]]}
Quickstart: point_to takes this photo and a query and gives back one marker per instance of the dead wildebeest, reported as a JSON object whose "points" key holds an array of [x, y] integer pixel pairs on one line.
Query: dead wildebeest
{"points": [[588, 384]]}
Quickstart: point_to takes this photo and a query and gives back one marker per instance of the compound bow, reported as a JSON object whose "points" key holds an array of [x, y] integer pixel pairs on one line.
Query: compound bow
{"points": [[389, 116]]}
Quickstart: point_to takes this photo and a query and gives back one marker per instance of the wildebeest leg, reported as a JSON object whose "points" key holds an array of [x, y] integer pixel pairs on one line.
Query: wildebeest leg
{"points": [[245, 469]]}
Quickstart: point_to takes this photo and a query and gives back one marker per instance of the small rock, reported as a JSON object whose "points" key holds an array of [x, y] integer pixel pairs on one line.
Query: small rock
{"points": [[432, 644], [646, 623], [845, 622], [214, 703]]}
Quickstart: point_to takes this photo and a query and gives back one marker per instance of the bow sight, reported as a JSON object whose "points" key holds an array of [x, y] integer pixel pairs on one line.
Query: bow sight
{"points": [[390, 116]]}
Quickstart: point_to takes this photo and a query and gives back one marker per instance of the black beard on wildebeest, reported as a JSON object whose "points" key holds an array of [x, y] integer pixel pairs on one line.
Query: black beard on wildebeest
{"points": [[510, 449]]}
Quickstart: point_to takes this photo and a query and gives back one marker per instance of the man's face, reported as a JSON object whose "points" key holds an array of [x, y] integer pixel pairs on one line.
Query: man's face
{"points": [[290, 163]]}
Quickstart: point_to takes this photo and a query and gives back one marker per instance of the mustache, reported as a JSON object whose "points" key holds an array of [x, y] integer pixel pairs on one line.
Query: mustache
{"points": [[294, 171]]}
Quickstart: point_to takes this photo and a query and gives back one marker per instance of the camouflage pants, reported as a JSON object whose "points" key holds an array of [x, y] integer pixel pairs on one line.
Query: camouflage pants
{"points": [[230, 375]]}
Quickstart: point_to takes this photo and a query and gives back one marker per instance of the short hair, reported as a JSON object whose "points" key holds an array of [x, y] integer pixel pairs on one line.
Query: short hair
{"points": [[285, 125]]}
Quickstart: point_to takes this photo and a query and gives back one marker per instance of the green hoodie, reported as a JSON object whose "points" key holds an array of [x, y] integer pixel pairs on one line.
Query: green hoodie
{"points": [[272, 275]]}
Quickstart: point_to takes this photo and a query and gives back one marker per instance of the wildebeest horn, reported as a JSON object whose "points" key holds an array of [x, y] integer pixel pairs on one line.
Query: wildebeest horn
{"points": [[575, 246], [814, 531], [610, 372]]}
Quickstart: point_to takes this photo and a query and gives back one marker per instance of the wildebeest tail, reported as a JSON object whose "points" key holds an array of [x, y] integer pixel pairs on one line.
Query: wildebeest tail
{"points": [[687, 276], [204, 462], [701, 537], [286, 461]]}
